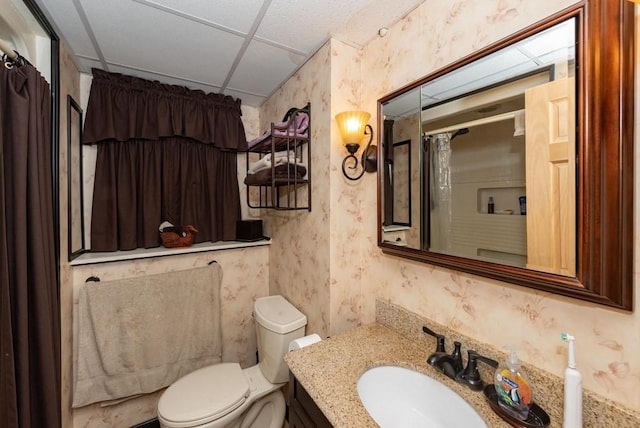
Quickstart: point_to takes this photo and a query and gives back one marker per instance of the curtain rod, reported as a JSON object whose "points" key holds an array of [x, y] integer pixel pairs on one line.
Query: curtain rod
{"points": [[483, 121], [4, 47]]}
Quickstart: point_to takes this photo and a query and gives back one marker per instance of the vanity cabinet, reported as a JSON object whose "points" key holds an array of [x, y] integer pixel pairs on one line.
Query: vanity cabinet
{"points": [[303, 411]]}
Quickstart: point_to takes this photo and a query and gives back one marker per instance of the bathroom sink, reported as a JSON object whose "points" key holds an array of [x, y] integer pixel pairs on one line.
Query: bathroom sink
{"points": [[399, 397]]}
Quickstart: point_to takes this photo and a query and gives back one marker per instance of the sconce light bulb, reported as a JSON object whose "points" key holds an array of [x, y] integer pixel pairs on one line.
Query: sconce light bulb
{"points": [[352, 124]]}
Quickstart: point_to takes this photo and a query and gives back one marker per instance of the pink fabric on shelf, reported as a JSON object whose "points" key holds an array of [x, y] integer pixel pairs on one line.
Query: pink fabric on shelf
{"points": [[294, 129]]}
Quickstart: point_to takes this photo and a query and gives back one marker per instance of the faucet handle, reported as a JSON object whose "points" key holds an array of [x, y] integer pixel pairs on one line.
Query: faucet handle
{"points": [[439, 344], [457, 357], [471, 375], [439, 337]]}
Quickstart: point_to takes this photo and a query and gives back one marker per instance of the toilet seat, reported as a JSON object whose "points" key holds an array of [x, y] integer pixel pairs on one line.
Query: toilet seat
{"points": [[204, 395]]}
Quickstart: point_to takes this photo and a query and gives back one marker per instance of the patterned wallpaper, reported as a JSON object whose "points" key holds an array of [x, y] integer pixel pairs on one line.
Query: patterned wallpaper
{"points": [[327, 262], [69, 85], [335, 281], [245, 278]]}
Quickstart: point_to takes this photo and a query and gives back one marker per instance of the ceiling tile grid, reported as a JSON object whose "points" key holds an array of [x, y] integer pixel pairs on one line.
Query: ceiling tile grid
{"points": [[243, 48], [236, 15]]}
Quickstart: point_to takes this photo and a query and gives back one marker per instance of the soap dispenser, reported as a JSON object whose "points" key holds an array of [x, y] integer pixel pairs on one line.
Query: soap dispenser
{"points": [[514, 392]]}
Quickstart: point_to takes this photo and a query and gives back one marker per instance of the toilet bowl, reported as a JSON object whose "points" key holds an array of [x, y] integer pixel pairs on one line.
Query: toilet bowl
{"points": [[225, 395]]}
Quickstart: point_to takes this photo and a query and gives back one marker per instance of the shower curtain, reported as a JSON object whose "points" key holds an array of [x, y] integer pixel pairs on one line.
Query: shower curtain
{"points": [[441, 189], [29, 298]]}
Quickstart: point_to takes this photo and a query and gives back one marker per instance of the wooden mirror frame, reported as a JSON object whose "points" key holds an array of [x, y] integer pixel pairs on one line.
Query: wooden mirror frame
{"points": [[75, 191], [605, 197]]}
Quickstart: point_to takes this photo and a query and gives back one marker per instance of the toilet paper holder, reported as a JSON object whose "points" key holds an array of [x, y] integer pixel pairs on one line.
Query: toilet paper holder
{"points": [[304, 342]]}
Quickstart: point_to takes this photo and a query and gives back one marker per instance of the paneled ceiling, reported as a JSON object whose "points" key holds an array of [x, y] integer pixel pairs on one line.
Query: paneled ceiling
{"points": [[543, 51], [243, 48]]}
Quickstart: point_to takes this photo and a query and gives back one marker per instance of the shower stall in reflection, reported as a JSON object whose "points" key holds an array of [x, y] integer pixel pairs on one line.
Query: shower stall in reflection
{"points": [[509, 149], [468, 168], [492, 133]]}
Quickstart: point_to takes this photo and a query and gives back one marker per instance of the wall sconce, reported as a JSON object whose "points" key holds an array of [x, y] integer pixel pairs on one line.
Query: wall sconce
{"points": [[353, 128]]}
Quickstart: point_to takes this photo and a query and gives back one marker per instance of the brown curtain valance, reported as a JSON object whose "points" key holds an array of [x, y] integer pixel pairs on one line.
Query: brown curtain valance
{"points": [[125, 107]]}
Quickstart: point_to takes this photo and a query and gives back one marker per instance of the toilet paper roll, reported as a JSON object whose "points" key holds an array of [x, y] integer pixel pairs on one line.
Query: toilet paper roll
{"points": [[304, 341]]}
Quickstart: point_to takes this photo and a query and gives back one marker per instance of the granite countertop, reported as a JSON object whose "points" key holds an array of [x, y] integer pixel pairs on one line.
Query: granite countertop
{"points": [[329, 371]]}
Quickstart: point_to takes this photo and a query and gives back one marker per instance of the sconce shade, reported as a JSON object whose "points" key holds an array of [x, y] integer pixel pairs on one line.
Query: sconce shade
{"points": [[351, 125], [354, 127]]}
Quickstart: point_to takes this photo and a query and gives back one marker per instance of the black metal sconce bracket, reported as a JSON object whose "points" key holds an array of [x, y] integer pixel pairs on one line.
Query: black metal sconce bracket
{"points": [[368, 160]]}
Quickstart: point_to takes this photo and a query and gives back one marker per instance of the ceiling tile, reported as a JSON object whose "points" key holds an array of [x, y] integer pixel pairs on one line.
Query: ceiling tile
{"points": [[362, 26], [196, 43], [306, 24], [86, 64], [247, 99], [161, 41], [263, 68], [221, 12], [70, 26], [166, 79]]}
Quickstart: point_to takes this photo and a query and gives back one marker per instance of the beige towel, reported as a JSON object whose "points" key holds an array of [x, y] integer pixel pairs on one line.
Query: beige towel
{"points": [[139, 335]]}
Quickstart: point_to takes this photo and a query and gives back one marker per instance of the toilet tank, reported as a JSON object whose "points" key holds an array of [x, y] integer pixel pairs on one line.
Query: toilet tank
{"points": [[278, 322]]}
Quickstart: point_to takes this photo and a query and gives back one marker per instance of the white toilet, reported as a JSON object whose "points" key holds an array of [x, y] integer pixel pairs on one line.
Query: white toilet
{"points": [[224, 395]]}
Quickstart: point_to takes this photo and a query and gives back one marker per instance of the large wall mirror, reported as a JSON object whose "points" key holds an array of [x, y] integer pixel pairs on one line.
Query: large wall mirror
{"points": [[521, 158]]}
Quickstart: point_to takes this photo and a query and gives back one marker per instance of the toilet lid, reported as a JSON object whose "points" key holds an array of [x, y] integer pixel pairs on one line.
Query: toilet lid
{"points": [[204, 395]]}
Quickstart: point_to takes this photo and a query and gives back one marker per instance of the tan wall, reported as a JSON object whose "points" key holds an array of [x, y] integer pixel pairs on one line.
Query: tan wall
{"points": [[327, 262], [491, 311], [299, 259], [437, 33], [245, 278], [69, 85]]}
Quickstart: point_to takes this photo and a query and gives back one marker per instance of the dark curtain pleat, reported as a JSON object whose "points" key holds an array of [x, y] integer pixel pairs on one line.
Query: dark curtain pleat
{"points": [[175, 179], [150, 194], [228, 197], [29, 304], [104, 215], [123, 107], [165, 153]]}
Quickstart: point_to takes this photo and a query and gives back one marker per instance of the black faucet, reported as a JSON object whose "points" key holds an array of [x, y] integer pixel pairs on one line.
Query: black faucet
{"points": [[449, 364], [470, 376]]}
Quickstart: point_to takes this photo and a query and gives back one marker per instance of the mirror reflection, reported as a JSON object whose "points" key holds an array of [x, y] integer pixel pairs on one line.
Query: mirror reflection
{"points": [[493, 151], [400, 173], [401, 143]]}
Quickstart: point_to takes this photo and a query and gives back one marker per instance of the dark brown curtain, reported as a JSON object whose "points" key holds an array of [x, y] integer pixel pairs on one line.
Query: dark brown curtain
{"points": [[184, 182], [165, 153], [29, 291]]}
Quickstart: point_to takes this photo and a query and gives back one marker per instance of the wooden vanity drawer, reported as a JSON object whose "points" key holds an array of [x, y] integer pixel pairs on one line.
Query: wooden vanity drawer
{"points": [[303, 411]]}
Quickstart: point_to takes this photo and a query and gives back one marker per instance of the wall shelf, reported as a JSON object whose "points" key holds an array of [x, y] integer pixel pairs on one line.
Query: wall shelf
{"points": [[284, 184]]}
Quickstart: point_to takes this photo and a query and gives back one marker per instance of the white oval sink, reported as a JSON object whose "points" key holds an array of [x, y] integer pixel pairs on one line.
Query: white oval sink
{"points": [[397, 397]]}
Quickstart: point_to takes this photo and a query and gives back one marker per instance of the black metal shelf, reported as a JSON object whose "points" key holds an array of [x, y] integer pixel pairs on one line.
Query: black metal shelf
{"points": [[283, 192]]}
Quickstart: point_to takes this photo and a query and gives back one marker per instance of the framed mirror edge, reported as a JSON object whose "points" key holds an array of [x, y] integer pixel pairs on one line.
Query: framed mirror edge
{"points": [[74, 190], [605, 229], [394, 221]]}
